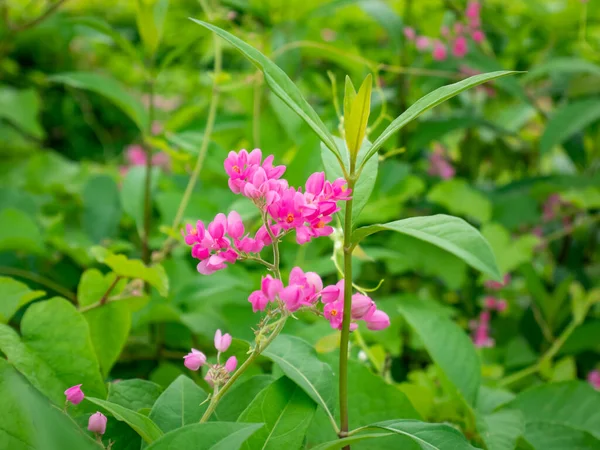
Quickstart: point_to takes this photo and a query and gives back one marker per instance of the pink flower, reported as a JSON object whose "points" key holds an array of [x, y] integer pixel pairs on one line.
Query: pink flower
{"points": [[501, 305], [270, 287], [231, 364], [551, 207], [496, 285], [478, 36], [74, 394], [489, 303], [334, 312], [135, 154], [222, 341], [378, 321], [332, 293], [439, 52], [422, 43], [258, 300], [362, 307], [438, 164], [459, 48], [594, 379], [97, 423], [459, 28], [473, 10], [445, 31], [481, 337], [409, 33], [235, 226], [292, 297], [194, 360]]}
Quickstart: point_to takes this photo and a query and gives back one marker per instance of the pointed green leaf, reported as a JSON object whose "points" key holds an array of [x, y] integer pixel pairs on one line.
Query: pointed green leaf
{"points": [[448, 345], [207, 436], [109, 88], [357, 117], [280, 83], [142, 425], [286, 410], [431, 100], [179, 405], [299, 361], [365, 184], [349, 96], [150, 21], [106, 29], [446, 232]]}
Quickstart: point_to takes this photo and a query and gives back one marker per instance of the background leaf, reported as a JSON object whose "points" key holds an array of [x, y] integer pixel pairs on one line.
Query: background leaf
{"points": [[207, 436], [14, 295]]}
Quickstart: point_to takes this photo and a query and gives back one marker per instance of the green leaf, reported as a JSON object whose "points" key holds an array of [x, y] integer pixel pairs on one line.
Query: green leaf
{"points": [[14, 295], [429, 436], [429, 101], [239, 397], [568, 120], [571, 404], [459, 198], [502, 429], [553, 436], [21, 108], [150, 21], [109, 88], [365, 184], [357, 109], [101, 208], [286, 411], [448, 345], [298, 361], [134, 394], [387, 18], [207, 436], [179, 405], [55, 351], [30, 422], [449, 233], [133, 192], [510, 253], [134, 268], [115, 317], [19, 232], [140, 423], [340, 443], [281, 85]]}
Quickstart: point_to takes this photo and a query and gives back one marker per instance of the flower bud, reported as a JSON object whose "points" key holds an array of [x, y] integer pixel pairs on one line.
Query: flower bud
{"points": [[231, 364], [222, 341], [258, 301], [97, 423], [332, 293], [362, 306], [74, 394], [378, 321], [194, 360]]}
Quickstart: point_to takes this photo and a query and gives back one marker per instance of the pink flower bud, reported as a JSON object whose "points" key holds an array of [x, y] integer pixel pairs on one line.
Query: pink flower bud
{"points": [[594, 379], [235, 226], [231, 364], [97, 423], [378, 321], [362, 306], [501, 305], [478, 36], [490, 302], [422, 43], [74, 394], [409, 33], [439, 52], [459, 48], [270, 287], [314, 281], [194, 360], [258, 300], [331, 293], [222, 342], [473, 9]]}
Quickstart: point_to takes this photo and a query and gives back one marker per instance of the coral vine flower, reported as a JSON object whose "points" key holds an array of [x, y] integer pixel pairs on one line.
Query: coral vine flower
{"points": [[231, 364], [594, 379], [439, 51], [194, 360], [97, 423], [74, 394], [222, 341]]}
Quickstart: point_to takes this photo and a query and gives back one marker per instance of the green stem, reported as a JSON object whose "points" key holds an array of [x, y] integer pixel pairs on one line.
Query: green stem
{"points": [[214, 401], [546, 357], [148, 179], [39, 279], [210, 123], [347, 310], [104, 299]]}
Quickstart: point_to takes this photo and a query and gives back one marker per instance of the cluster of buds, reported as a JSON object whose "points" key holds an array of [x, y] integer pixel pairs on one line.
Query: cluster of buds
{"points": [[305, 290], [455, 38], [481, 327], [97, 421], [218, 373]]}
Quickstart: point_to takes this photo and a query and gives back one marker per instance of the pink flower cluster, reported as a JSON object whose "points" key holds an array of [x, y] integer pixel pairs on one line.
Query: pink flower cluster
{"points": [[481, 330], [136, 156], [497, 285], [287, 208], [481, 327], [439, 165], [217, 373], [222, 242], [456, 38], [305, 289]]}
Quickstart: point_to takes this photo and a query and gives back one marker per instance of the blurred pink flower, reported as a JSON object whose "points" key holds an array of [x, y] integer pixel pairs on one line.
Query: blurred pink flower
{"points": [[439, 51], [409, 33], [422, 43], [594, 379], [459, 47], [328, 35], [478, 36], [473, 10], [97, 423], [438, 164]]}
